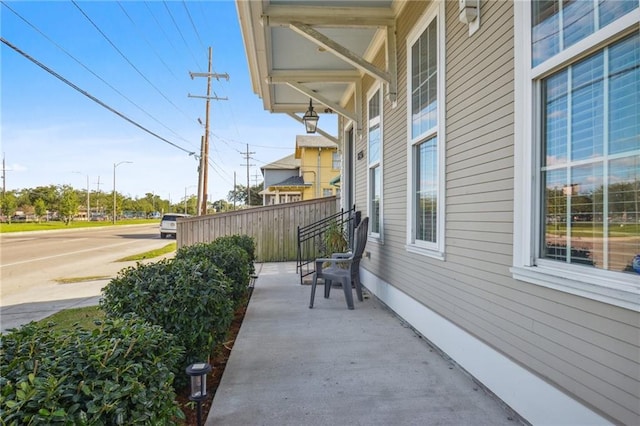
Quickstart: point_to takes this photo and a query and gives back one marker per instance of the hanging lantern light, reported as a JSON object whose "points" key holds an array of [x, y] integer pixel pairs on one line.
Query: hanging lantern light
{"points": [[310, 119]]}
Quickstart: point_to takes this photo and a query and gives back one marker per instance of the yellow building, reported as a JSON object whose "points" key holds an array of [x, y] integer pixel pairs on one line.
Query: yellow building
{"points": [[319, 164], [304, 175]]}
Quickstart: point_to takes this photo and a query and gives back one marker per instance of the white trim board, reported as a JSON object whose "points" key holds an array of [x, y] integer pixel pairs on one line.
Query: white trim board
{"points": [[535, 400]]}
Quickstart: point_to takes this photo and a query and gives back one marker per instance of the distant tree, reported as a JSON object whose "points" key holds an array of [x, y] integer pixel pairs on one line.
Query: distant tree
{"points": [[240, 195], [256, 198], [191, 205], [9, 205], [237, 195], [221, 206], [49, 194], [68, 203], [40, 208], [155, 203]]}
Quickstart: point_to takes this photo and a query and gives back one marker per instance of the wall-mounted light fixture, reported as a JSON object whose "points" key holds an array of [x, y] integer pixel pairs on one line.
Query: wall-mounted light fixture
{"points": [[469, 13], [310, 119], [360, 155]]}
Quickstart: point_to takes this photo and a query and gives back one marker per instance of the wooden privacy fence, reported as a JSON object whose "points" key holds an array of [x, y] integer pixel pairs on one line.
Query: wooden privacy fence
{"points": [[274, 228]]}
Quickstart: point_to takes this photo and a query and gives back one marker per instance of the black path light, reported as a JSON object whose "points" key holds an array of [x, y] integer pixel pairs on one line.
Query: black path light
{"points": [[198, 374], [310, 119]]}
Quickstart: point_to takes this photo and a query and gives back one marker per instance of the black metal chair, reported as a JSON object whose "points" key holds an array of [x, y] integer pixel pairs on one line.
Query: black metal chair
{"points": [[343, 268]]}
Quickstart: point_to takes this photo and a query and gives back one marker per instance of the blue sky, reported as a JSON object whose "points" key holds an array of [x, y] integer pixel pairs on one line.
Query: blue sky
{"points": [[52, 134]]}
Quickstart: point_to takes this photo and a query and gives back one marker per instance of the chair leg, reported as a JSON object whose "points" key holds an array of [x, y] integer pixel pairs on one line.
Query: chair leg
{"points": [[313, 290], [348, 293], [327, 288], [358, 287]]}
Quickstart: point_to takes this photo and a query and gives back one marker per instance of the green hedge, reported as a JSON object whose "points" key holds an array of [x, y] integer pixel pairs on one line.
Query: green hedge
{"points": [[232, 259], [187, 297], [119, 373], [161, 317], [245, 242]]}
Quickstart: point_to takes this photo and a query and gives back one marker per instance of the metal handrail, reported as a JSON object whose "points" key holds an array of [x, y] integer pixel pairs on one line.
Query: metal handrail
{"points": [[310, 238]]}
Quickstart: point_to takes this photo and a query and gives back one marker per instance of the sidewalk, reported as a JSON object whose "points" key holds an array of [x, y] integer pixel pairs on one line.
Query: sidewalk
{"points": [[292, 365], [14, 316]]}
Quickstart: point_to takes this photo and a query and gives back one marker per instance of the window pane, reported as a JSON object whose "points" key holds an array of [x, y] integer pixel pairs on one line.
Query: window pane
{"points": [[555, 114], [586, 214], [426, 197], [424, 88], [591, 198], [415, 66], [624, 98], [577, 20], [611, 10], [624, 213], [545, 37], [374, 143], [374, 106], [335, 161], [374, 128], [374, 214], [587, 118], [573, 217], [555, 214], [557, 25]]}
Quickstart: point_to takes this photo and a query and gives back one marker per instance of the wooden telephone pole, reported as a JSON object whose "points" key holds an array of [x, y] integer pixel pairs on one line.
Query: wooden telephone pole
{"points": [[247, 156], [203, 172]]}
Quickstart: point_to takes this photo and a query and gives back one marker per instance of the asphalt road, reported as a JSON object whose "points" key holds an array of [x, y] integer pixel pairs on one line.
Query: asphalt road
{"points": [[30, 262]]}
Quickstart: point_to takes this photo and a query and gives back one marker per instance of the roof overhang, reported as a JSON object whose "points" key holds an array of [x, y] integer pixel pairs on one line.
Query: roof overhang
{"points": [[297, 51]]}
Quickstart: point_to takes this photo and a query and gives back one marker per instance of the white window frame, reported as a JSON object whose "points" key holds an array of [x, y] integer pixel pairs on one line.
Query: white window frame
{"points": [[615, 288], [431, 249], [376, 88]]}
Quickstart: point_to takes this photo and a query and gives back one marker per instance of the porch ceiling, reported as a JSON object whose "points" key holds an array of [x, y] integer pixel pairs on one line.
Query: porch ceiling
{"points": [[301, 49]]}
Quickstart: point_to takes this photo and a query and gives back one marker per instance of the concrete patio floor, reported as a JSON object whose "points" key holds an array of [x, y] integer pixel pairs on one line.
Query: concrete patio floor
{"points": [[292, 365]]}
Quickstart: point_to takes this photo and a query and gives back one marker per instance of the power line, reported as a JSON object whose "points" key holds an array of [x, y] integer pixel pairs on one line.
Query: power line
{"points": [[127, 59], [160, 25], [147, 41], [226, 140], [91, 71], [179, 32], [93, 98], [195, 29]]}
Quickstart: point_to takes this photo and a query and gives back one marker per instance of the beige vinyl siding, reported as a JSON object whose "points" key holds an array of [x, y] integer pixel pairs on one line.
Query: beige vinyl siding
{"points": [[589, 349]]}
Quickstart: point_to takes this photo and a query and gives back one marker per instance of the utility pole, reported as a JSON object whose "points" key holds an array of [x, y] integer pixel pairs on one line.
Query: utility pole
{"points": [[4, 181], [98, 197], [202, 165], [204, 178], [4, 177], [255, 182], [255, 178], [247, 157], [234, 191]]}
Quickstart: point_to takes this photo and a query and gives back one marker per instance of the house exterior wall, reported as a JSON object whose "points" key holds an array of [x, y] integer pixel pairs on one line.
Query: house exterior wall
{"points": [[316, 168], [272, 177], [569, 357]]}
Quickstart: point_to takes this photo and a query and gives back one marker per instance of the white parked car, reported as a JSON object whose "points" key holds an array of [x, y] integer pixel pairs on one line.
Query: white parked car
{"points": [[168, 224]]}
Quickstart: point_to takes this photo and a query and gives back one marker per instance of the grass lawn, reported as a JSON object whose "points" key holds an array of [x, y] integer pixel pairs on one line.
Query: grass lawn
{"points": [[47, 226], [150, 254], [85, 317]]}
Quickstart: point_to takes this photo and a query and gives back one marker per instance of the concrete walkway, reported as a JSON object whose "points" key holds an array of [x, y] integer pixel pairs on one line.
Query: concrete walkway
{"points": [[14, 316], [292, 365]]}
